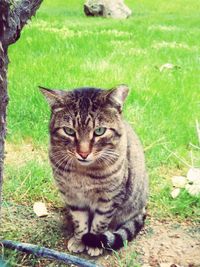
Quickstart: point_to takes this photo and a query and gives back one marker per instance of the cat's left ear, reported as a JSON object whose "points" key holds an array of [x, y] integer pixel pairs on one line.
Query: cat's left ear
{"points": [[119, 94]]}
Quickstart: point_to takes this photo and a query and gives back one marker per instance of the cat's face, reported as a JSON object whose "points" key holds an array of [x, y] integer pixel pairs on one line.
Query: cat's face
{"points": [[85, 125]]}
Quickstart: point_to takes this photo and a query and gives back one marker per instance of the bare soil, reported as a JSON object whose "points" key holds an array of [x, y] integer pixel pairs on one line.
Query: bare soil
{"points": [[164, 244], [171, 243]]}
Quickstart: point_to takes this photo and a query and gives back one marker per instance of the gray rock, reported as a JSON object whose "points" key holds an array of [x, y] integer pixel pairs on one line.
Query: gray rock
{"points": [[107, 8]]}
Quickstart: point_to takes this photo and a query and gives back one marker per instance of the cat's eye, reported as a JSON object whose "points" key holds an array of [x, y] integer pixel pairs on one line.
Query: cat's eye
{"points": [[99, 131], [69, 131]]}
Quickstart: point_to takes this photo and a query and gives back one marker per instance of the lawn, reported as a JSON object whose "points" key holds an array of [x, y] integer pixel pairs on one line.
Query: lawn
{"points": [[61, 48]]}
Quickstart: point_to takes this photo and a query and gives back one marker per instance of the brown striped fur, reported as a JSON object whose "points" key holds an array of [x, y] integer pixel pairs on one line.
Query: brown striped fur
{"points": [[102, 178]]}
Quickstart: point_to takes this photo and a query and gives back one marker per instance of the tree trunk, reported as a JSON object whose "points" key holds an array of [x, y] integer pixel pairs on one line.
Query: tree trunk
{"points": [[13, 17], [3, 105]]}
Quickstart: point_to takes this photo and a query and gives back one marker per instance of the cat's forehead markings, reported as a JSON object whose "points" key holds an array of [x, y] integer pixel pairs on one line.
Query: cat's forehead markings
{"points": [[78, 120], [86, 122]]}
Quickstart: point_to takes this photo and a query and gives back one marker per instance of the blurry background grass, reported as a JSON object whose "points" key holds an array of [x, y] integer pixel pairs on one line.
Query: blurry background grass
{"points": [[61, 48]]}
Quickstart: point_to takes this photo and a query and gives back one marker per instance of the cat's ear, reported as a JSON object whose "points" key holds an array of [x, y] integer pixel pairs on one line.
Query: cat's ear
{"points": [[53, 97], [119, 94]]}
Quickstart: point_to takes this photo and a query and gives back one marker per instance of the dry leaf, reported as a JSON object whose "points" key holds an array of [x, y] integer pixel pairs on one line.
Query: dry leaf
{"points": [[193, 186], [175, 192], [193, 175], [193, 189], [179, 181], [40, 209]]}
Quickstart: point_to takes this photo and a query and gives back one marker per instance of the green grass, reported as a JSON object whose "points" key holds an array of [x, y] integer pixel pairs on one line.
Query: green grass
{"points": [[61, 48], [30, 182]]}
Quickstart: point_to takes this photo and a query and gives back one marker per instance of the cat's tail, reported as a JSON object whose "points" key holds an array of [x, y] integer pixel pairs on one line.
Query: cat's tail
{"points": [[115, 240]]}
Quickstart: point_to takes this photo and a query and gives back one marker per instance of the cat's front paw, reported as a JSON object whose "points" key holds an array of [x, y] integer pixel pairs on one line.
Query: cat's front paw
{"points": [[75, 245], [94, 252]]}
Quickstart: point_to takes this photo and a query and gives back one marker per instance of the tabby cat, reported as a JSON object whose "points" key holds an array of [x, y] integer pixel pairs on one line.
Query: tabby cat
{"points": [[98, 165]]}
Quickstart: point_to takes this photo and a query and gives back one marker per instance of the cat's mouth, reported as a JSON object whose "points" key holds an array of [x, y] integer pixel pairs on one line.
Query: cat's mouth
{"points": [[84, 161]]}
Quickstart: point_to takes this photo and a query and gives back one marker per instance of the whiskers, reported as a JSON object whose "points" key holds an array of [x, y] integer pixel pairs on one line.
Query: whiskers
{"points": [[61, 160], [107, 157]]}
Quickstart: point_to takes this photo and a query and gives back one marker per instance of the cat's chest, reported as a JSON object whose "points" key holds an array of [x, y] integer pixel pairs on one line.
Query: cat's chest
{"points": [[79, 188]]}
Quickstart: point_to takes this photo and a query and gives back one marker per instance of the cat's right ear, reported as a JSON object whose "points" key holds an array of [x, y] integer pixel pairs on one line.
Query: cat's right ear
{"points": [[53, 97], [118, 95]]}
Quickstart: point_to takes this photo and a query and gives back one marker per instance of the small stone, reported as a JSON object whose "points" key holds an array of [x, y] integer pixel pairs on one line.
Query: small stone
{"points": [[179, 181], [175, 192], [40, 209], [106, 8]]}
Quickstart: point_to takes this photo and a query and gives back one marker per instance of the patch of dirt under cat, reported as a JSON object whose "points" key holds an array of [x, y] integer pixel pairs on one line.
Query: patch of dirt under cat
{"points": [[161, 243], [171, 243], [164, 244]]}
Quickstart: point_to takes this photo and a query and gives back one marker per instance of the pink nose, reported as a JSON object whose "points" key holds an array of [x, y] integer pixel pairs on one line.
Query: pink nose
{"points": [[84, 154]]}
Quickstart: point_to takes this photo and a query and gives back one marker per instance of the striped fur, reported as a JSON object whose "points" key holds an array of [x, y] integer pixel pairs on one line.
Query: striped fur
{"points": [[101, 177]]}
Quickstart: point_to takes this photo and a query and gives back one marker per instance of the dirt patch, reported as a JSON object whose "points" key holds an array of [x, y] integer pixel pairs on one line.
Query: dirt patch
{"points": [[161, 243], [21, 154], [170, 242]]}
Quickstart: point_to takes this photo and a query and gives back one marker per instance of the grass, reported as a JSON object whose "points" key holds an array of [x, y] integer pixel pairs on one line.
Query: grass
{"points": [[130, 259], [61, 48]]}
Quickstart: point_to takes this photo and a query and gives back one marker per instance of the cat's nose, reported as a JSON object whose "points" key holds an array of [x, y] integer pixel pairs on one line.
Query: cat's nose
{"points": [[84, 154]]}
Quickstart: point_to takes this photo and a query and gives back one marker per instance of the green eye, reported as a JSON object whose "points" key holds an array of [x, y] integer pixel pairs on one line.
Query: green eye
{"points": [[69, 131], [100, 131]]}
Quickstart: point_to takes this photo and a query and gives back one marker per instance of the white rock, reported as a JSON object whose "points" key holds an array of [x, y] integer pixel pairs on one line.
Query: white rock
{"points": [[179, 181], [107, 8], [40, 209], [175, 192]]}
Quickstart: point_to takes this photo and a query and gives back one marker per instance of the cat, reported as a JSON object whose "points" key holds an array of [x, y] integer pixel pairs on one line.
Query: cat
{"points": [[98, 165]]}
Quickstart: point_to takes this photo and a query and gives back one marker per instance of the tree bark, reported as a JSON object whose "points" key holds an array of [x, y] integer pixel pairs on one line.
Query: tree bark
{"points": [[3, 105], [13, 16]]}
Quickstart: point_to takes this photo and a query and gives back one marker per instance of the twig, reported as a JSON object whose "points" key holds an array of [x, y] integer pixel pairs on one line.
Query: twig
{"points": [[178, 157], [194, 146], [47, 253], [157, 142], [198, 130], [192, 158]]}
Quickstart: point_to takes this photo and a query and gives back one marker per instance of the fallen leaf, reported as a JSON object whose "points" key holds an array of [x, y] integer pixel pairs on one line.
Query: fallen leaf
{"points": [[193, 189], [40, 209], [193, 175], [175, 192], [193, 186], [179, 181]]}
